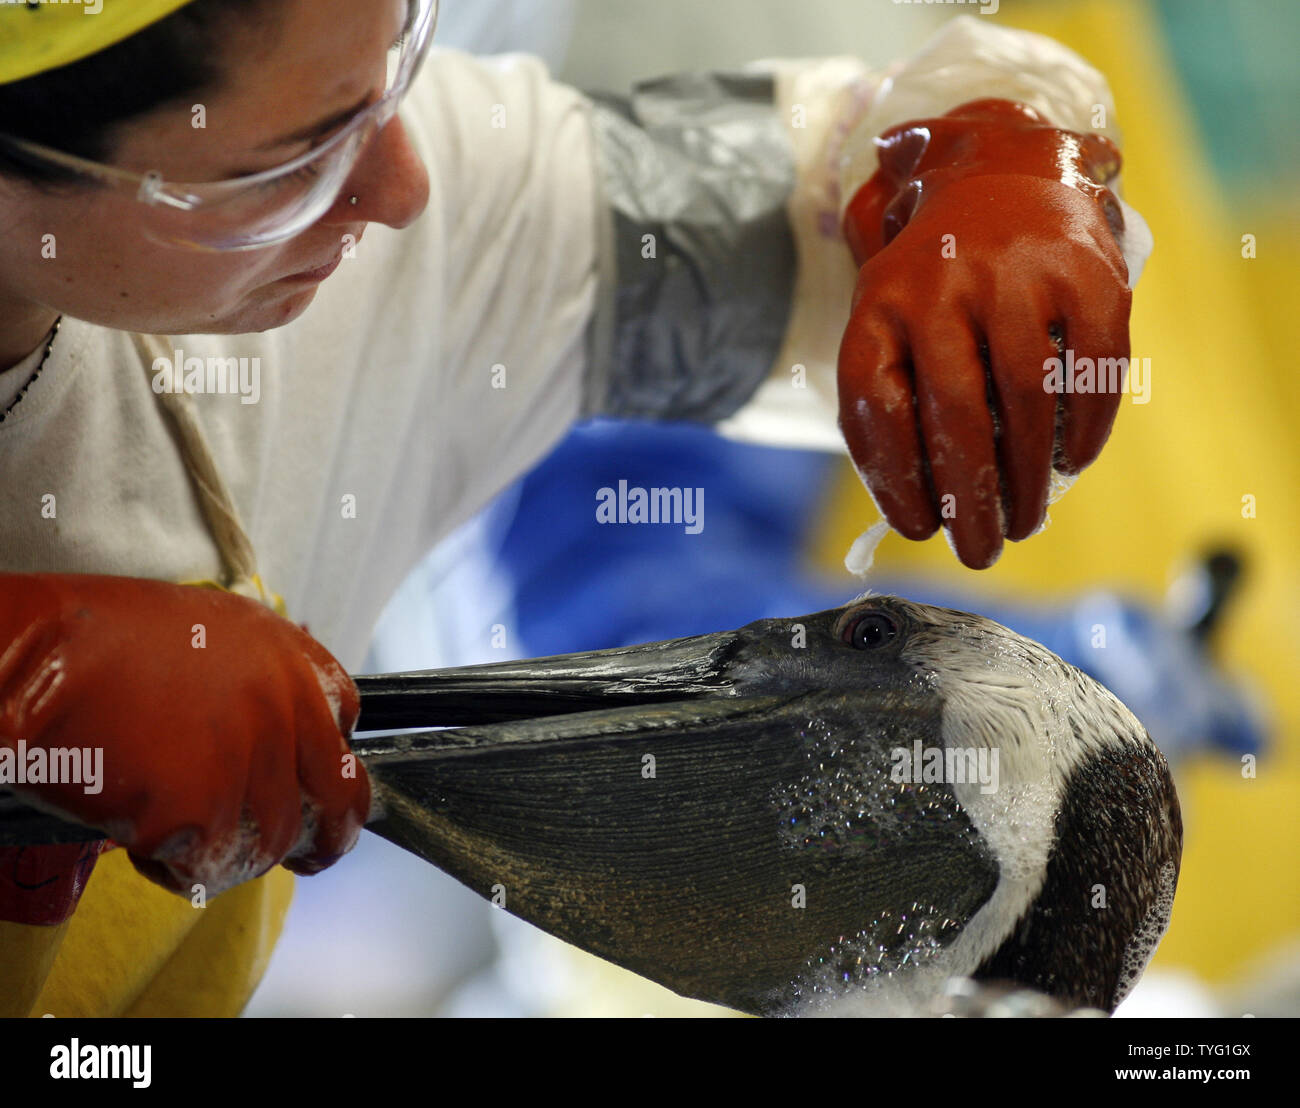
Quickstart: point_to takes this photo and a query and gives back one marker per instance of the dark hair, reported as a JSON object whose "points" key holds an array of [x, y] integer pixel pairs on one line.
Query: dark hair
{"points": [[76, 108]]}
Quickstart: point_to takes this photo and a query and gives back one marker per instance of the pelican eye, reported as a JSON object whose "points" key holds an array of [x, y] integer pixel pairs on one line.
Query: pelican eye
{"points": [[871, 631]]}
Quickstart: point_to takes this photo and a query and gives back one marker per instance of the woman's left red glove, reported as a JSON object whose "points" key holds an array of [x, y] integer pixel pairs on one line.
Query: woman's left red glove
{"points": [[197, 728]]}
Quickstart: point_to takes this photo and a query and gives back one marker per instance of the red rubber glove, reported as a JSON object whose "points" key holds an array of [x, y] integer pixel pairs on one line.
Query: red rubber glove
{"points": [[218, 761], [941, 369]]}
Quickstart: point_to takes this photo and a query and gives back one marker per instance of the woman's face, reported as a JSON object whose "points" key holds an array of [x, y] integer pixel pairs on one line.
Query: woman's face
{"points": [[324, 59]]}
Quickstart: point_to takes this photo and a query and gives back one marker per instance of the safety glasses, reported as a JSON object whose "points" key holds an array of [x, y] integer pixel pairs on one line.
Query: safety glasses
{"points": [[262, 209]]}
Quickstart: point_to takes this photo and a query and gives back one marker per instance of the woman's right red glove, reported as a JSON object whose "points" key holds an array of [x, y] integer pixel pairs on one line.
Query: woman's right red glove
{"points": [[987, 242], [223, 727]]}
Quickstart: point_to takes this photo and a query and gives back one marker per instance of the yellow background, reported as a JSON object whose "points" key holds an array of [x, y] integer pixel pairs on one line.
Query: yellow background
{"points": [[1221, 424]]}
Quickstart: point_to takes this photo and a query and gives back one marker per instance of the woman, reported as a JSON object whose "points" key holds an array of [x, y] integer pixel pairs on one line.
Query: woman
{"points": [[181, 181]]}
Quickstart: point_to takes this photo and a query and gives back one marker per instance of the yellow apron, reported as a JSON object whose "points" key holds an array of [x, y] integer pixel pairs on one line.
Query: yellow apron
{"points": [[134, 949]]}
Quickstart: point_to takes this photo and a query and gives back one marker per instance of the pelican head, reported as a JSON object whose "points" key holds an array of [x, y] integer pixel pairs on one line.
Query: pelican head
{"points": [[849, 807]]}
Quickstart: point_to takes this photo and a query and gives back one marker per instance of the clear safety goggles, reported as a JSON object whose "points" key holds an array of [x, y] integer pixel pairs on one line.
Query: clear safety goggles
{"points": [[261, 209]]}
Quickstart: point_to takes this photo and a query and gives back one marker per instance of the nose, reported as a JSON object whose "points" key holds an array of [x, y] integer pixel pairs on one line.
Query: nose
{"points": [[389, 181]]}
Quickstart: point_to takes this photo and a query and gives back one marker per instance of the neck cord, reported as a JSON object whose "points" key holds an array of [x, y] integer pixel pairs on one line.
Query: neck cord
{"points": [[49, 345]]}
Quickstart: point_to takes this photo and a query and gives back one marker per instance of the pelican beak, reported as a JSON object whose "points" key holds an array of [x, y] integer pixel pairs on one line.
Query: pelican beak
{"points": [[653, 673], [661, 805]]}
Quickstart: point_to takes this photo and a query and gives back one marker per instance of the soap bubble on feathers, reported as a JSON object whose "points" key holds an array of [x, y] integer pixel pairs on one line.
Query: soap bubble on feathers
{"points": [[846, 978], [845, 793], [845, 796], [959, 998], [1142, 945]]}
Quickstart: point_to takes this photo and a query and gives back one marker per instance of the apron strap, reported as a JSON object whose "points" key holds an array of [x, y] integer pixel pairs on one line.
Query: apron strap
{"points": [[233, 544]]}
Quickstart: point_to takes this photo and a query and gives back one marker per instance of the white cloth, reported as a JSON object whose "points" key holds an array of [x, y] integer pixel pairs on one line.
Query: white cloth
{"points": [[383, 391], [834, 108]]}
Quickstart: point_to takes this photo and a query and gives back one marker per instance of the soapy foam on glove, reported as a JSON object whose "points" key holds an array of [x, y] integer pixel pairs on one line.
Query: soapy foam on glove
{"points": [[862, 554]]}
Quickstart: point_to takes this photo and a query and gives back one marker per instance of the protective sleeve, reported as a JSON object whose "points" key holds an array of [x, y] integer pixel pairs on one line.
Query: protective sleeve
{"points": [[696, 248], [970, 58], [726, 280]]}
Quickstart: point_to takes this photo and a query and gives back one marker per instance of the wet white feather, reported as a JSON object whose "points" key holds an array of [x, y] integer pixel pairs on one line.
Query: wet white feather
{"points": [[1006, 692]]}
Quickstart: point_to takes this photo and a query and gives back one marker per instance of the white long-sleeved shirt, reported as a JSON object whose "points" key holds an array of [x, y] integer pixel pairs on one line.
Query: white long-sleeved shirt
{"points": [[441, 362]]}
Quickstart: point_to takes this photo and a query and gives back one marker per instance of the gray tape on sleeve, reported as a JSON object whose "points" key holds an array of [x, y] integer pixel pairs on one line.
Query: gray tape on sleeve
{"points": [[695, 172], [600, 332]]}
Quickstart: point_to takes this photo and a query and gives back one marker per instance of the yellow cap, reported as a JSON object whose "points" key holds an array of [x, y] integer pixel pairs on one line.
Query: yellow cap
{"points": [[43, 35]]}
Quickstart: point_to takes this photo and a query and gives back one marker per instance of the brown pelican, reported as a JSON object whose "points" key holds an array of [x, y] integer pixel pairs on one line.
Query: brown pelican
{"points": [[860, 803]]}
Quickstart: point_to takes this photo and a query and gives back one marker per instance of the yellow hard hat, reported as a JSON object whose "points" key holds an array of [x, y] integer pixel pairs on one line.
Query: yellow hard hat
{"points": [[36, 35]]}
